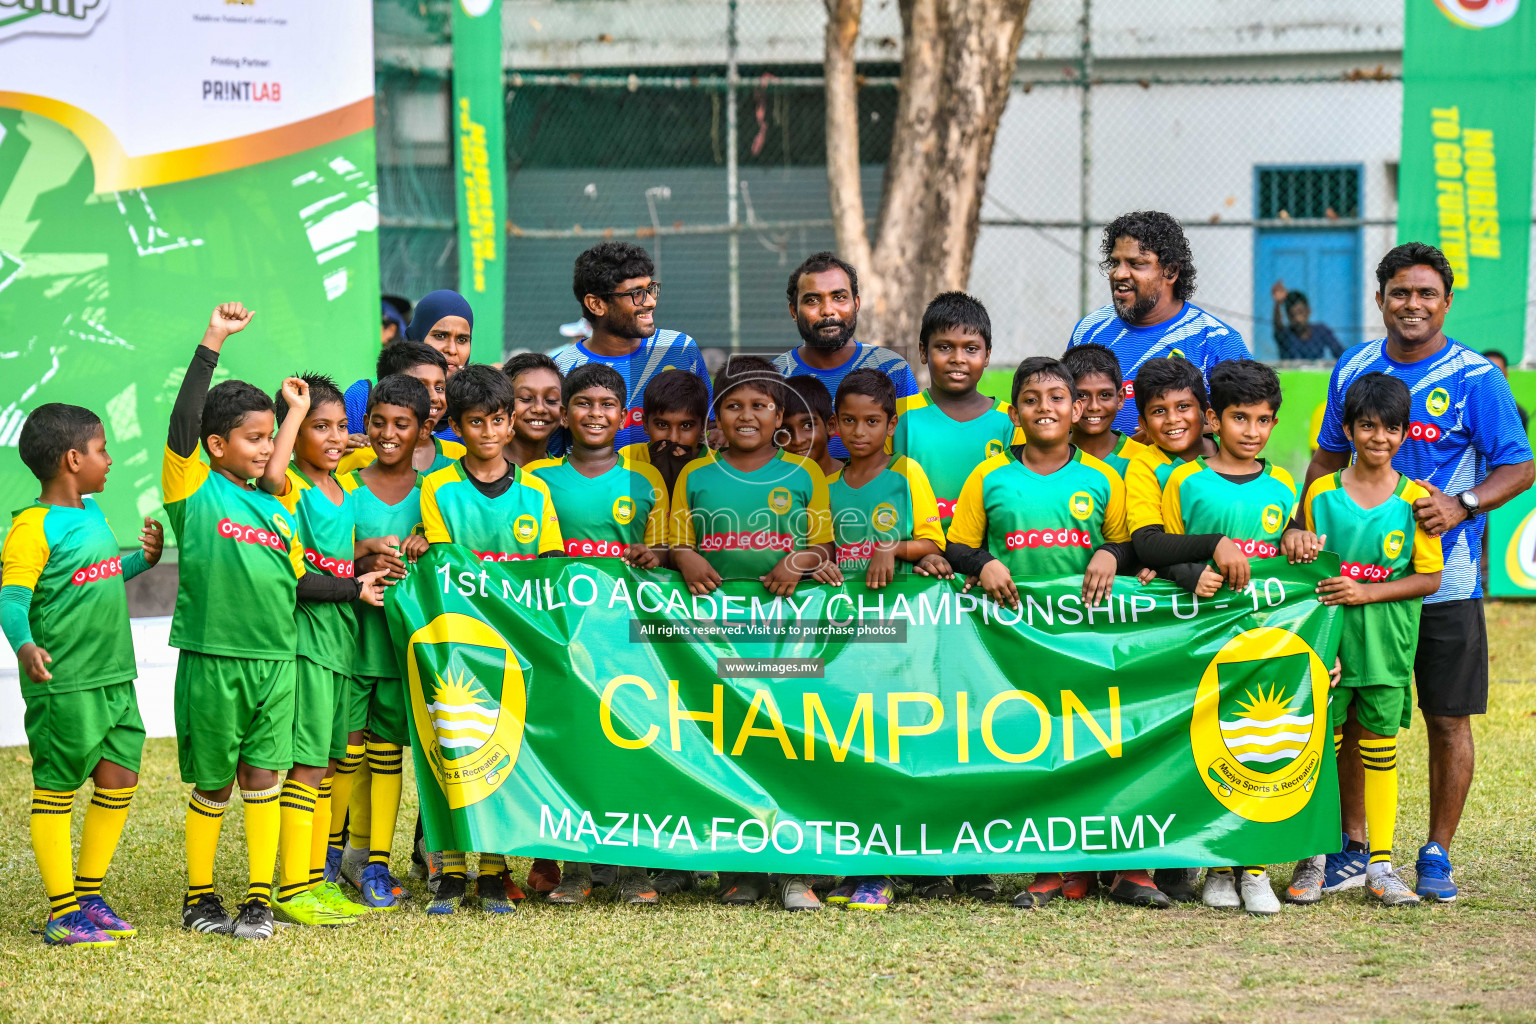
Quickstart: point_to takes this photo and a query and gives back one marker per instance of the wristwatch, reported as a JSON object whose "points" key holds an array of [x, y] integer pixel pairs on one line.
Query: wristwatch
{"points": [[1469, 502]]}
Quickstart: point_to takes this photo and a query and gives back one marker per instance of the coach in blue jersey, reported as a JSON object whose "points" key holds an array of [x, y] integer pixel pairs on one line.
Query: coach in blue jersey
{"points": [[618, 297], [1151, 277], [1465, 444], [823, 295]]}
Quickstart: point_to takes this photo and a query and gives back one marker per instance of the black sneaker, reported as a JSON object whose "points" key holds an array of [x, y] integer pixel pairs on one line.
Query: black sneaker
{"points": [[670, 883], [934, 887], [604, 874], [744, 889], [449, 894], [492, 890], [254, 921], [636, 887], [207, 914], [1176, 885], [977, 887]]}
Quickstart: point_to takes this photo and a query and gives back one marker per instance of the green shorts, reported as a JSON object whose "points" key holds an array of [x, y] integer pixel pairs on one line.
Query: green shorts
{"points": [[319, 714], [230, 710], [1382, 710], [378, 705], [69, 734]]}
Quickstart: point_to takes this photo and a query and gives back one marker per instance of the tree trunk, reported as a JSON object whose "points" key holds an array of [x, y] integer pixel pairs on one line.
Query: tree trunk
{"points": [[958, 57]]}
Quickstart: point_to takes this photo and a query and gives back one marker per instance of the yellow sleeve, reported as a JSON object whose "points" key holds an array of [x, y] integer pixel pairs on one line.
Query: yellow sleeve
{"points": [[1321, 485], [819, 505], [1114, 509], [681, 533], [549, 522], [1018, 432], [296, 554], [968, 525], [294, 484], [433, 526], [656, 522], [925, 507], [1143, 496], [1173, 507], [1284, 476], [180, 475], [357, 458], [1428, 554], [26, 549], [452, 449]]}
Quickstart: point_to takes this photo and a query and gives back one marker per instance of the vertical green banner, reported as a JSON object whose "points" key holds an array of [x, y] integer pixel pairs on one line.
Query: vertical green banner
{"points": [[480, 195], [1469, 128]]}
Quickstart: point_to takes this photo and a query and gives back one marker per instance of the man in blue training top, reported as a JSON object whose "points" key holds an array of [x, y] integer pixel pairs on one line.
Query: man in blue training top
{"points": [[1466, 447], [618, 298], [823, 298], [1151, 277]]}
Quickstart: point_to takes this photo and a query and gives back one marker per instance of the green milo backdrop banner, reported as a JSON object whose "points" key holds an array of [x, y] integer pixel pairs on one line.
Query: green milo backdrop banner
{"points": [[591, 712], [155, 160]]}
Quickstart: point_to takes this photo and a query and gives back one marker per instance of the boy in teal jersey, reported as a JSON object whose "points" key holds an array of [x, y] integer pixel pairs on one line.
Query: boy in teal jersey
{"points": [[64, 610], [537, 387], [235, 676], [809, 422], [1237, 499], [386, 504], [952, 428], [313, 427], [752, 511], [493, 507], [1096, 372], [1046, 508], [425, 363], [1389, 565], [608, 507]]}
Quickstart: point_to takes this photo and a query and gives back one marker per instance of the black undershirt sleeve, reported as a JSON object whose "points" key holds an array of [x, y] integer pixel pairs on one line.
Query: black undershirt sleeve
{"points": [[1126, 562], [1185, 574], [187, 413], [965, 559], [317, 588], [1157, 547]]}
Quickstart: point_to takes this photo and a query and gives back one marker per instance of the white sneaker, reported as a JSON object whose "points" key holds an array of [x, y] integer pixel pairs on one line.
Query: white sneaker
{"points": [[1258, 895], [1220, 890], [1391, 890]]}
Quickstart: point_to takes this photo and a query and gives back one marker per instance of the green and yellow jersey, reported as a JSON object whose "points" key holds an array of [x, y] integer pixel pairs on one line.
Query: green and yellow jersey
{"points": [[1252, 513], [895, 506], [375, 651], [1146, 473], [947, 449], [65, 562], [240, 562], [1375, 545], [445, 454], [743, 523], [1040, 525], [602, 515], [327, 630], [519, 522], [1125, 450]]}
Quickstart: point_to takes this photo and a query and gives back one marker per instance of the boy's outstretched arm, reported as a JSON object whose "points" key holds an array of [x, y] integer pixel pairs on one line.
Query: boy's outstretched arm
{"points": [[274, 479], [187, 414]]}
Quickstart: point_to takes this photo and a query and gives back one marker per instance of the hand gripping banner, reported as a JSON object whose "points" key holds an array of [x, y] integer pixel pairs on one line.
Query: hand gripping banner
{"points": [[590, 712]]}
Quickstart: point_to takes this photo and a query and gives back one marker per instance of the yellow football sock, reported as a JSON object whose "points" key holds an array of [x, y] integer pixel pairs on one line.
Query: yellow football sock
{"points": [[341, 790], [1338, 742], [384, 767], [104, 820], [492, 864], [295, 828], [360, 809], [204, 818], [263, 824], [453, 862], [1380, 760], [319, 834], [51, 811]]}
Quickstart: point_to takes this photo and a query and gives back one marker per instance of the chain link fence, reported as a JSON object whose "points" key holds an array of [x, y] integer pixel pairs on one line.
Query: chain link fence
{"points": [[1270, 128]]}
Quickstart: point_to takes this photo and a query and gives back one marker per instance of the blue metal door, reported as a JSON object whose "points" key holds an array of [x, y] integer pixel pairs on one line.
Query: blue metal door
{"points": [[1324, 263]]}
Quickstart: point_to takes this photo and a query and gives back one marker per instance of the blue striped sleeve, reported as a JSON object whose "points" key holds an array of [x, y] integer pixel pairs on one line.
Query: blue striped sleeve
{"points": [[356, 400], [1497, 433], [1331, 436]]}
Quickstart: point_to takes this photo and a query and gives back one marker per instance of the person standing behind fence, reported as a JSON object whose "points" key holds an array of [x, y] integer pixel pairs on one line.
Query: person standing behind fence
{"points": [[1465, 446], [618, 297], [1151, 277], [824, 300]]}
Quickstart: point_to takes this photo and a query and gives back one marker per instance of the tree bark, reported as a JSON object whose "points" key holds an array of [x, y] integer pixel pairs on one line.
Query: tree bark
{"points": [[958, 57]]}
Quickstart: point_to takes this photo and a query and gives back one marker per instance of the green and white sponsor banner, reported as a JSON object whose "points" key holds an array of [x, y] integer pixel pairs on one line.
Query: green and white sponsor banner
{"points": [[1512, 547], [480, 186], [159, 158], [1469, 132], [589, 712]]}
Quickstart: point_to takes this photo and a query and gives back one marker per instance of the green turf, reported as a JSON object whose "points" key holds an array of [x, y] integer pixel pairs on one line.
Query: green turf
{"points": [[693, 960]]}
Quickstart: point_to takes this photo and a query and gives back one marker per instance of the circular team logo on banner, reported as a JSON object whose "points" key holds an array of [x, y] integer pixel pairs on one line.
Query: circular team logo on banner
{"points": [[1478, 13], [994, 447], [1392, 545], [1273, 515], [885, 516], [1520, 556], [778, 500], [1260, 724], [281, 526], [623, 510], [525, 528], [475, 8], [1437, 402], [468, 701], [1080, 505]]}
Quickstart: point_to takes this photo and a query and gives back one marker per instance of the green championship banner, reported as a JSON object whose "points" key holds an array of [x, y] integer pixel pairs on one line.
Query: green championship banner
{"points": [[157, 159], [480, 189], [1469, 130], [591, 712]]}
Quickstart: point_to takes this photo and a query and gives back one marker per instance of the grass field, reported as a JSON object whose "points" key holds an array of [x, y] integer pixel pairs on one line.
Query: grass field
{"points": [[693, 960]]}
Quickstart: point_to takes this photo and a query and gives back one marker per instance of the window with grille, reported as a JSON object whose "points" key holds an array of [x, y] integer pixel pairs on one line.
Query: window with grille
{"points": [[1309, 192]]}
